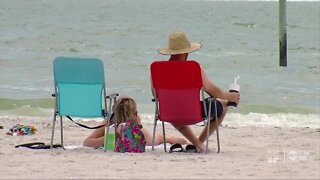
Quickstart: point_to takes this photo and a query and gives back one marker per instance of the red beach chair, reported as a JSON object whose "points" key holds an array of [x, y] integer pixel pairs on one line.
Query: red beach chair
{"points": [[178, 88]]}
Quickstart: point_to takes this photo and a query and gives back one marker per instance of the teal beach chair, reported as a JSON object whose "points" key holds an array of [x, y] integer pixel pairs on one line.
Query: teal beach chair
{"points": [[80, 90]]}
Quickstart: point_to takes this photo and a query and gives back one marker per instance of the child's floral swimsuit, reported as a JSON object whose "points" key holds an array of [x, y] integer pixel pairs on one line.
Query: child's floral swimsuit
{"points": [[130, 138]]}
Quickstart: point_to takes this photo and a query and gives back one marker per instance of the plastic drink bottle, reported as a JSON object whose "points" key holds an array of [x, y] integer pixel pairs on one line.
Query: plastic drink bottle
{"points": [[109, 138], [234, 87]]}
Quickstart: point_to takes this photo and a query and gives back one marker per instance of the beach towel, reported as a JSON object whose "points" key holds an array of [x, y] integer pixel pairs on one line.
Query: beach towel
{"points": [[130, 138]]}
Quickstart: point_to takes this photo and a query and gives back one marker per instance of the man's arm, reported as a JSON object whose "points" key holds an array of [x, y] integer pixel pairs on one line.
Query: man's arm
{"points": [[217, 92]]}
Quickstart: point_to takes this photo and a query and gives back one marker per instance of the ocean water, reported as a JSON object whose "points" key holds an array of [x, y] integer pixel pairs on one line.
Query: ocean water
{"points": [[240, 38]]}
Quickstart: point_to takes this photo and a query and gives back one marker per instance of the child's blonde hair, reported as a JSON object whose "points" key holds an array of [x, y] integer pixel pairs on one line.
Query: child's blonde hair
{"points": [[124, 109]]}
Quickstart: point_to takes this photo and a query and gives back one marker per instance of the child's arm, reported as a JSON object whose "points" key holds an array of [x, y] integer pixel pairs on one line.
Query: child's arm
{"points": [[95, 139]]}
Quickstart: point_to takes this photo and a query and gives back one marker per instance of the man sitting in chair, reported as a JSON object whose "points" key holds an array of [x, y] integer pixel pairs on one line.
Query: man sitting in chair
{"points": [[179, 47]]}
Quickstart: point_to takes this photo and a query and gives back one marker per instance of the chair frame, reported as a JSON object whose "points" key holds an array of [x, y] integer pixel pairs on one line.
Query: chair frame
{"points": [[206, 120]]}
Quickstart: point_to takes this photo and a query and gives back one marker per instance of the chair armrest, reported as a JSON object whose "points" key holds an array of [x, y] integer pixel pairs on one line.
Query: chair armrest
{"points": [[112, 99], [112, 95], [210, 99]]}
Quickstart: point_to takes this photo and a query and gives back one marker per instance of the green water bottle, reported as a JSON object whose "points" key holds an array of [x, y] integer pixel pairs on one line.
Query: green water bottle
{"points": [[111, 137]]}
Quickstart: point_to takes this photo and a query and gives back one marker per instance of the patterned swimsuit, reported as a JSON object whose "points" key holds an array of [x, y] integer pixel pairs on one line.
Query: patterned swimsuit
{"points": [[130, 138]]}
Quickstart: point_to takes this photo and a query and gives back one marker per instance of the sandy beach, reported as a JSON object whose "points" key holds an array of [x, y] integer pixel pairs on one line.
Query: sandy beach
{"points": [[274, 133], [246, 153]]}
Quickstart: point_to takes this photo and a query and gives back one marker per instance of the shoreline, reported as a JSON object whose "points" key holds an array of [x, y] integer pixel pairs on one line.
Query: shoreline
{"points": [[232, 119], [246, 153]]}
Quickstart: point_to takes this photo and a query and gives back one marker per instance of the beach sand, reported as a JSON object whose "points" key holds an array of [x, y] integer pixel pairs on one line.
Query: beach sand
{"points": [[246, 153]]}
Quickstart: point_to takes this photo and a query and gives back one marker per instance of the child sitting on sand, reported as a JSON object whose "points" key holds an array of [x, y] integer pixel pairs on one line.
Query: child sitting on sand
{"points": [[129, 137], [125, 110]]}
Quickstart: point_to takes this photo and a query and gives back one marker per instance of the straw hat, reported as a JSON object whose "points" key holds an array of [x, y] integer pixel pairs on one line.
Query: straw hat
{"points": [[179, 44]]}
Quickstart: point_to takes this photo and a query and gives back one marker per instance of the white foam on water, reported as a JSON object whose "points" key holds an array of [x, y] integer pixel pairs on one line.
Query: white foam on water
{"points": [[252, 119], [262, 120], [275, 120], [286, 120]]}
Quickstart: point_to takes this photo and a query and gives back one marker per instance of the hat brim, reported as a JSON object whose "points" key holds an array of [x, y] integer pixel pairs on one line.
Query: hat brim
{"points": [[193, 47]]}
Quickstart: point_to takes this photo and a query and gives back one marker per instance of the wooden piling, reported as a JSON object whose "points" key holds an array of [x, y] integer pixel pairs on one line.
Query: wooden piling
{"points": [[282, 33]]}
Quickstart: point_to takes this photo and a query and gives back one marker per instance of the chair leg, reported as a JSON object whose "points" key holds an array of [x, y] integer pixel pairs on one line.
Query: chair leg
{"points": [[155, 124], [217, 124], [218, 139], [61, 127], [106, 133], [53, 126], [154, 131], [164, 137], [208, 128], [207, 141]]}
